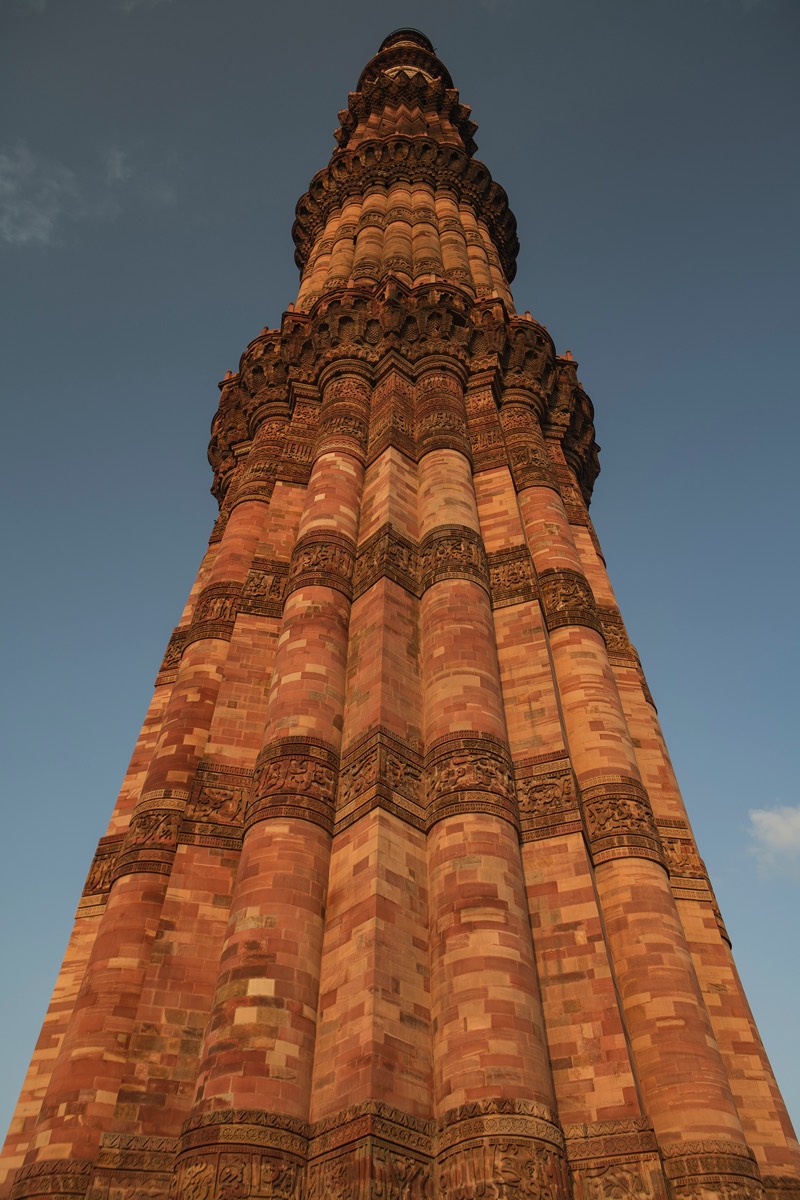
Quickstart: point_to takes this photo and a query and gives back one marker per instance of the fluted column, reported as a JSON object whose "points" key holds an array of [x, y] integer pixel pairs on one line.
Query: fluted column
{"points": [[260, 1039], [93, 1057], [489, 1043], [679, 1068]]}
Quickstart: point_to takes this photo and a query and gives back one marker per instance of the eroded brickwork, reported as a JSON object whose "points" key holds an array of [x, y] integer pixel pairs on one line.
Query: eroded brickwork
{"points": [[399, 898]]}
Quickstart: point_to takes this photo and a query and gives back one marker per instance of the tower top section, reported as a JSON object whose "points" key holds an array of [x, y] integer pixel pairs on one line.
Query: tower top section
{"points": [[405, 127]]}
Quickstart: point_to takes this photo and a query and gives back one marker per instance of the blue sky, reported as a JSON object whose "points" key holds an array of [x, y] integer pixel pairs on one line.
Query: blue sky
{"points": [[151, 153]]}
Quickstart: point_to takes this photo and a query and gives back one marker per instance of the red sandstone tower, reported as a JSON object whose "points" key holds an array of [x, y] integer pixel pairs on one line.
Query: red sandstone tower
{"points": [[399, 898]]}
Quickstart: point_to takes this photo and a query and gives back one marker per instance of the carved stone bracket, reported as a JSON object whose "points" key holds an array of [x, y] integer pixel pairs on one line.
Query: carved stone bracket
{"points": [[322, 558], [263, 590], [711, 1169], [619, 820], [241, 1153], [387, 554], [380, 771], [453, 552], [567, 599], [469, 772], [295, 777], [215, 613], [511, 577], [547, 796], [510, 1148]]}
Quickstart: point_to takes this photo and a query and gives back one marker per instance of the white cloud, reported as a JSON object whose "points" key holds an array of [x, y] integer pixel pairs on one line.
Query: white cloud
{"points": [[117, 166], [775, 837], [39, 197], [129, 5], [35, 196]]}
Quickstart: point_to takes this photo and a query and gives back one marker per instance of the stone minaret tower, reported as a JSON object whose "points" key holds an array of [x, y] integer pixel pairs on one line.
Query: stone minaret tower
{"points": [[399, 898]]}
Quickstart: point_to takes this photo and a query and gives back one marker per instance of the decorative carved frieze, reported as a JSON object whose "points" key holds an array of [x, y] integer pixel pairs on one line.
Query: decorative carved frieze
{"points": [[547, 797], [387, 555], [322, 558], [235, 1154], [698, 1170], [620, 650], [52, 1177], [152, 835], [371, 1150], [781, 1187], [510, 1148], [452, 552], [380, 771], [511, 577], [392, 416], [132, 1167], [263, 590], [168, 670], [619, 819], [441, 422], [214, 815], [215, 613], [469, 772], [344, 416], [101, 872], [567, 599], [295, 777], [605, 1139]]}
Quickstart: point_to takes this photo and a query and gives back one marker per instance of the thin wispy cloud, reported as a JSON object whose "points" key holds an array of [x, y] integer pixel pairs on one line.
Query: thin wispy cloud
{"points": [[775, 838], [40, 198], [118, 168], [35, 197]]}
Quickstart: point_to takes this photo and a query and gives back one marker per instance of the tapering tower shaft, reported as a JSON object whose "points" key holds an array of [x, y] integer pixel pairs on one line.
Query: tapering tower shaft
{"points": [[400, 897]]}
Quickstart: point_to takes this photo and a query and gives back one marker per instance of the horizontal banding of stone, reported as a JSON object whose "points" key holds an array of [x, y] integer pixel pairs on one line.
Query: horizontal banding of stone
{"points": [[295, 777], [323, 558], [469, 772], [452, 552], [567, 599], [619, 820]]}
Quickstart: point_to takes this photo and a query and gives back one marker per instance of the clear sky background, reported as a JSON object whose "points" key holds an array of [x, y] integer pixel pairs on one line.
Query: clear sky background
{"points": [[151, 154]]}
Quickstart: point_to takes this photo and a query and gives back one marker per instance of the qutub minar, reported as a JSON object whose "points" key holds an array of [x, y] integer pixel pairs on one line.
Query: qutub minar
{"points": [[399, 898]]}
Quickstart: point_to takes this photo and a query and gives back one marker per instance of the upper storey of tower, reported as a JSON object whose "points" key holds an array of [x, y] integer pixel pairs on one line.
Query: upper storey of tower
{"points": [[405, 89], [402, 194]]}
